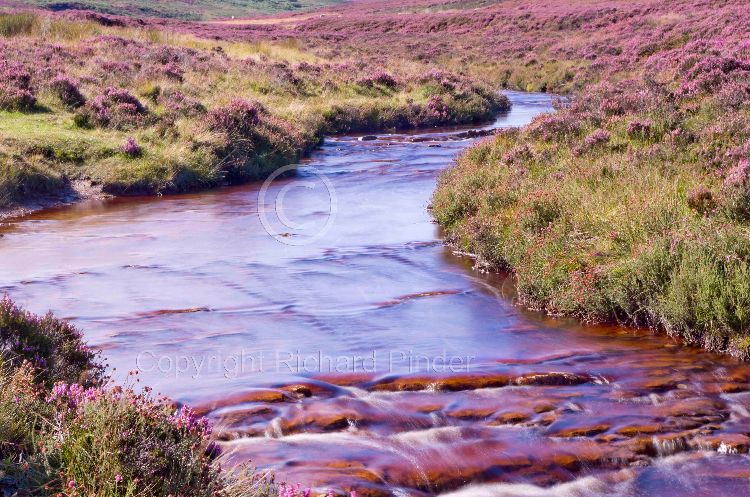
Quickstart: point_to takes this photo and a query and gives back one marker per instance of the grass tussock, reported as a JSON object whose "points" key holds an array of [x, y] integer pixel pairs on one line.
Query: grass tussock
{"points": [[16, 24]]}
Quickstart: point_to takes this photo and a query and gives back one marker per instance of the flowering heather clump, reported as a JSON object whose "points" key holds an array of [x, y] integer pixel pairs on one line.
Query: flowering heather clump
{"points": [[734, 94], [555, 126], [435, 75], [595, 139], [238, 118], [611, 107], [293, 491], [64, 429], [52, 346], [307, 67], [74, 395], [381, 78], [437, 110], [182, 105], [640, 129], [737, 192], [164, 54], [186, 419], [16, 92], [103, 437], [247, 132], [173, 71], [710, 73], [516, 155], [116, 108], [67, 91], [282, 77], [114, 66], [131, 148], [739, 175]]}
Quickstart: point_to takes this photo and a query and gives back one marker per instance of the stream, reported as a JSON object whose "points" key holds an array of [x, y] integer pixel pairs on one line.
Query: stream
{"points": [[321, 323]]}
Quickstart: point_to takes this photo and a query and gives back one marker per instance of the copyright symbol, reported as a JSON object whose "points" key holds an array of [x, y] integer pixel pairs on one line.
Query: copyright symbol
{"points": [[309, 194]]}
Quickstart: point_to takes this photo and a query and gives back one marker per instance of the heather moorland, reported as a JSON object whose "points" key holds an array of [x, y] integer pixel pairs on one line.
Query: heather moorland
{"points": [[176, 9], [92, 108]]}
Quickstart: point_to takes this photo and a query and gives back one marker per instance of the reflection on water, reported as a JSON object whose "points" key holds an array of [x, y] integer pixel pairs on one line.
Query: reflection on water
{"points": [[371, 355]]}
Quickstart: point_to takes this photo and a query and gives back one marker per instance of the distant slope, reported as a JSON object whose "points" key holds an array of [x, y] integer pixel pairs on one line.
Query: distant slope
{"points": [[177, 9]]}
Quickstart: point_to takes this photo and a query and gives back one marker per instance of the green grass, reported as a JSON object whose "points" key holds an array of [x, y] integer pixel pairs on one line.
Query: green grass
{"points": [[40, 152]]}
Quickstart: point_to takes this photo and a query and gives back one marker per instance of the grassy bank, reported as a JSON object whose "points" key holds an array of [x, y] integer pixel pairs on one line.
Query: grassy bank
{"points": [[139, 110], [67, 430], [632, 202]]}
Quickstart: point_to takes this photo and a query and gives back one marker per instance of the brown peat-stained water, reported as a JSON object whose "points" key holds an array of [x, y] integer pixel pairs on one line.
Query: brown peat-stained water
{"points": [[333, 338]]}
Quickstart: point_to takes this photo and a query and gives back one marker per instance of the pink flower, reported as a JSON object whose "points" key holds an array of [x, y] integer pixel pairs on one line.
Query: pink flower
{"points": [[118, 478], [738, 174], [597, 137], [239, 118], [67, 91], [187, 419], [131, 148], [290, 490], [640, 128], [71, 483]]}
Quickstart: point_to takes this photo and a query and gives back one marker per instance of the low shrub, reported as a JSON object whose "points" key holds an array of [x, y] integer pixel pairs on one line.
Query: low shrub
{"points": [[16, 92], [253, 142], [66, 89], [115, 441], [701, 200], [598, 137], [640, 129], [180, 104], [381, 78], [172, 70], [131, 148], [238, 119], [115, 108], [649, 230], [65, 430], [54, 347]]}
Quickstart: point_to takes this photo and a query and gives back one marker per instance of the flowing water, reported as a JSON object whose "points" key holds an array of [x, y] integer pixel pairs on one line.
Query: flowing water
{"points": [[322, 324]]}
